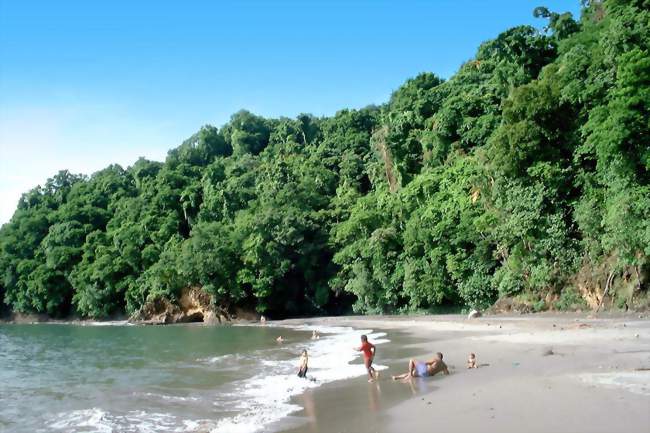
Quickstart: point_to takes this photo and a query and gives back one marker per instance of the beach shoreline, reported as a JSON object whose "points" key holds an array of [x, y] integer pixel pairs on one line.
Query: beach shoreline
{"points": [[566, 372]]}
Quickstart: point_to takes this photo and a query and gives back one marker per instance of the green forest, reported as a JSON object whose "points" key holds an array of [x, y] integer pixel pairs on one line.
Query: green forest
{"points": [[523, 176]]}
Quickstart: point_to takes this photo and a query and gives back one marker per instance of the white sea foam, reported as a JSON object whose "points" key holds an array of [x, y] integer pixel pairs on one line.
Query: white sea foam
{"points": [[224, 360], [107, 323], [90, 323], [258, 401], [217, 359], [94, 419], [266, 397], [168, 397], [98, 421]]}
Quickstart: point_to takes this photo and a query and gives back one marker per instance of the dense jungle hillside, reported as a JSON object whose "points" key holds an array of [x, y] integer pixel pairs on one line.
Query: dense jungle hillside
{"points": [[524, 176]]}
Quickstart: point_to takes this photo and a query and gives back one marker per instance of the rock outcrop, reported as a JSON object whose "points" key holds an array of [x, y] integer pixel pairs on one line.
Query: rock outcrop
{"points": [[193, 305], [509, 305]]}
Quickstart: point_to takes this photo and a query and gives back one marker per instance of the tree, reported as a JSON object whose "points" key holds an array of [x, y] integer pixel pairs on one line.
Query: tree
{"points": [[247, 133], [522, 171]]}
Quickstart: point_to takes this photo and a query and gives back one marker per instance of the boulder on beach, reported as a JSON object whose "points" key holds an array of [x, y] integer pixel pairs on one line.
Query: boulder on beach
{"points": [[194, 305]]}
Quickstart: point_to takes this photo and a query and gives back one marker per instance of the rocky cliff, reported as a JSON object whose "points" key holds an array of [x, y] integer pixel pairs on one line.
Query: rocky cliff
{"points": [[193, 305]]}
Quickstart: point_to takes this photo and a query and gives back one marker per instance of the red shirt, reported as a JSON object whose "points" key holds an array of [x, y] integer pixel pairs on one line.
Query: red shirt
{"points": [[366, 348]]}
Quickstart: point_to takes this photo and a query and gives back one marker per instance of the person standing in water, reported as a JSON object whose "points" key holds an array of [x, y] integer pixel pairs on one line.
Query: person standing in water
{"points": [[369, 351], [302, 364]]}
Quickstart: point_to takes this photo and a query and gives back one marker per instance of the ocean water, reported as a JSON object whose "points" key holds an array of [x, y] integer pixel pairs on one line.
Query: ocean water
{"points": [[182, 378]]}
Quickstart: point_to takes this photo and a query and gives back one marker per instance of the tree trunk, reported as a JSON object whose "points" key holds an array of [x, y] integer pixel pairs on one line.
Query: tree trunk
{"points": [[380, 142], [607, 285]]}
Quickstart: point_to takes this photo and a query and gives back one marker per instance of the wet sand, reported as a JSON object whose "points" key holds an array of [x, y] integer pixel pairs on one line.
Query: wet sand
{"points": [[560, 373]]}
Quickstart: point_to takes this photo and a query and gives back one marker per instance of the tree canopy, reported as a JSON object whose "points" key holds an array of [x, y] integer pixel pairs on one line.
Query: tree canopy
{"points": [[526, 167]]}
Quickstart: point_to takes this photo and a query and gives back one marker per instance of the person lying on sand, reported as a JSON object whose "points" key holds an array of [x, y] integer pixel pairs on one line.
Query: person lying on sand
{"points": [[369, 351], [424, 368]]}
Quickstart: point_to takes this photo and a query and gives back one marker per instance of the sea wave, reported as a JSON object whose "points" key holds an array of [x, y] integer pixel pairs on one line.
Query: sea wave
{"points": [[267, 397], [98, 421], [256, 402], [226, 360], [168, 397]]}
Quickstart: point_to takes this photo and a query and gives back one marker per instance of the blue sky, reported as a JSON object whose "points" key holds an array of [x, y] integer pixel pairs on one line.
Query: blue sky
{"points": [[87, 83]]}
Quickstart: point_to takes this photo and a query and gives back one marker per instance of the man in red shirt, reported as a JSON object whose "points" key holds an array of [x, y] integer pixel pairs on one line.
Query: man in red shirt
{"points": [[369, 351]]}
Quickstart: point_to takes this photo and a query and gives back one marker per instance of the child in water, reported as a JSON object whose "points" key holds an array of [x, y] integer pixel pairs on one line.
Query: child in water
{"points": [[369, 351], [302, 364]]}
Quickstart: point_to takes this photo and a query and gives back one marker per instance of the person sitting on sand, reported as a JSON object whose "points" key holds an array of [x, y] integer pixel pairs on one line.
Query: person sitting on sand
{"points": [[471, 361], [369, 351], [424, 369], [302, 364]]}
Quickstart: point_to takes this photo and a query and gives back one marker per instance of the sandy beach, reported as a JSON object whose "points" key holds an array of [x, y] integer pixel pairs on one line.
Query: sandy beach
{"points": [[539, 373]]}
